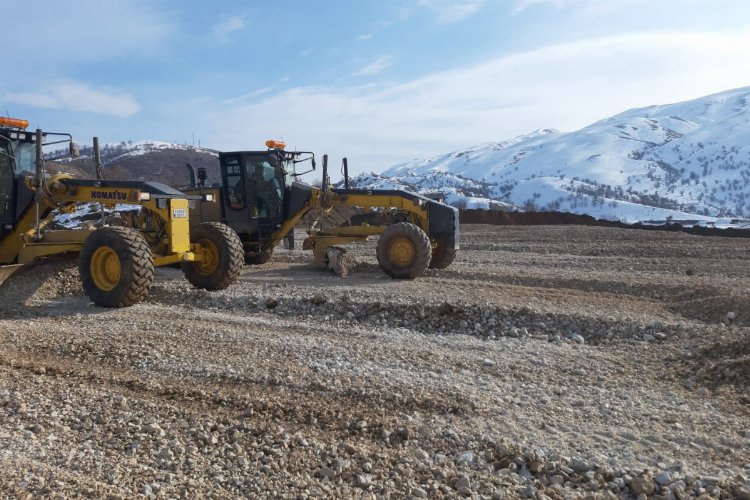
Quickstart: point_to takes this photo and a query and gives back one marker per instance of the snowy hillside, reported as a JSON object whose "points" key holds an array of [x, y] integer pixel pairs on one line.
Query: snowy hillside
{"points": [[114, 152], [687, 160], [146, 160]]}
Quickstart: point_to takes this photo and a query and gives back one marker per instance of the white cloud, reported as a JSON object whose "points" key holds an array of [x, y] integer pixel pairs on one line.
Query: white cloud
{"points": [[223, 29], [365, 36], [565, 86], [75, 96], [450, 11], [522, 5], [249, 96], [376, 67]]}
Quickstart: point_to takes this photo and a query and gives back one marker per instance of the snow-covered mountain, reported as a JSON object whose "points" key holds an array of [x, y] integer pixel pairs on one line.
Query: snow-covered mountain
{"points": [[685, 160], [114, 152], [143, 160]]}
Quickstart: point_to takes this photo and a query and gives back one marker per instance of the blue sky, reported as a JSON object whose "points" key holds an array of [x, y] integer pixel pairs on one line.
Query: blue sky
{"points": [[379, 81]]}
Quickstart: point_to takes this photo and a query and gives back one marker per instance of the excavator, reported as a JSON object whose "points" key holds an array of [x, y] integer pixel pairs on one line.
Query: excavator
{"points": [[261, 199], [116, 262]]}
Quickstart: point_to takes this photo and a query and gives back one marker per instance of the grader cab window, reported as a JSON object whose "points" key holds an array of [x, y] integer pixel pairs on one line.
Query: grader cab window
{"points": [[25, 154], [267, 182], [6, 184], [235, 188]]}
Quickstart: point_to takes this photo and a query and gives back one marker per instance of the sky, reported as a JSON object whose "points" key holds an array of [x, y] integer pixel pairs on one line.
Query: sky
{"points": [[378, 81]]}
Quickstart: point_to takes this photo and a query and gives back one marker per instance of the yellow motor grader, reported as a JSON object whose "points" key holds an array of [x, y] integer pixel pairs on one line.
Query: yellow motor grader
{"points": [[262, 200], [116, 263]]}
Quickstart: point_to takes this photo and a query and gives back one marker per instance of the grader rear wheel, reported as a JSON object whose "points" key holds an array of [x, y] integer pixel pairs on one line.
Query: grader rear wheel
{"points": [[404, 250], [442, 257], [221, 257], [116, 267]]}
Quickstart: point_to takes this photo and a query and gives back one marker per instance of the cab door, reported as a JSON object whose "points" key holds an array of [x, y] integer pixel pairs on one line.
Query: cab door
{"points": [[6, 189]]}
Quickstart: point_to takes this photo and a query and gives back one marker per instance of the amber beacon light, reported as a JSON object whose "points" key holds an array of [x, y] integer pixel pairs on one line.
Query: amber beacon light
{"points": [[13, 122], [275, 144]]}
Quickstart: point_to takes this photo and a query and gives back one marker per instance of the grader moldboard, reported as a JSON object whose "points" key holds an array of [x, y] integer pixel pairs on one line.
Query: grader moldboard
{"points": [[261, 199], [116, 263]]}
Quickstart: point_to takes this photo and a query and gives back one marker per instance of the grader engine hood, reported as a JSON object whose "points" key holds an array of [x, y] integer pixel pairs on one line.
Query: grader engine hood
{"points": [[443, 219]]}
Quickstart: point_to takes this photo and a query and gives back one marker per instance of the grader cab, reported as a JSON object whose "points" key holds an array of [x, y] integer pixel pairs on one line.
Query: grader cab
{"points": [[116, 263], [262, 200]]}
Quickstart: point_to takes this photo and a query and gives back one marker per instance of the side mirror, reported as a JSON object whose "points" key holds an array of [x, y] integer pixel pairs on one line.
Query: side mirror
{"points": [[313, 163], [75, 150]]}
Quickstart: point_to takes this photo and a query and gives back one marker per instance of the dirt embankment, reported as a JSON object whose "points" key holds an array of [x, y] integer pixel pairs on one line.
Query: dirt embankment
{"points": [[561, 218]]}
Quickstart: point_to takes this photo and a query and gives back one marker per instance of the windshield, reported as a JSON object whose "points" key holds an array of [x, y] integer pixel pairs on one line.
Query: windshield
{"points": [[289, 168], [25, 154]]}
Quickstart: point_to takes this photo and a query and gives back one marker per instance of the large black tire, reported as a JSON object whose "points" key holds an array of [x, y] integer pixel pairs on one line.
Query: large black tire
{"points": [[222, 258], [442, 257], [260, 258], [116, 267], [404, 250]]}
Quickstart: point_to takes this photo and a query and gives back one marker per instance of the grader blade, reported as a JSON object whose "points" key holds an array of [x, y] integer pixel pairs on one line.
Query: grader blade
{"points": [[7, 271], [340, 261]]}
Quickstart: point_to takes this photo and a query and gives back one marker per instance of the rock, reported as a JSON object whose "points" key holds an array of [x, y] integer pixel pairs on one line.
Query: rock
{"points": [[361, 424], [742, 492], [325, 473], [579, 466], [578, 339], [121, 401], [528, 492], [419, 493], [361, 481], [463, 482], [498, 495], [147, 490], [464, 492], [421, 455], [642, 485], [153, 428], [319, 299], [731, 316], [710, 481], [648, 337], [663, 479]]}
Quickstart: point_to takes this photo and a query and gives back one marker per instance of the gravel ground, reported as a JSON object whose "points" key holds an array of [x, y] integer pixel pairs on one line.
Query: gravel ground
{"points": [[547, 362]]}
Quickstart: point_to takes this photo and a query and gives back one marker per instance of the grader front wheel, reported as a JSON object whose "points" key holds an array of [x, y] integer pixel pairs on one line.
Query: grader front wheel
{"points": [[220, 260], [442, 257], [116, 267], [404, 250]]}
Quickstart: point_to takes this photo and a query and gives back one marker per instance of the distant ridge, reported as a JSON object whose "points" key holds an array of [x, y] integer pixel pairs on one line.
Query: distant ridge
{"points": [[685, 160]]}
